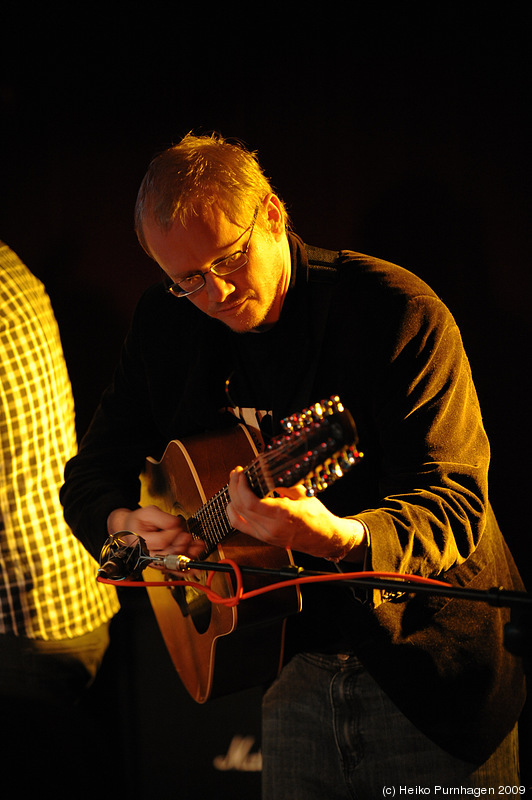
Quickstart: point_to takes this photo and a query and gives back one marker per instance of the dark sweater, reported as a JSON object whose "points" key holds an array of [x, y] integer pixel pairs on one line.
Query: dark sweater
{"points": [[380, 338]]}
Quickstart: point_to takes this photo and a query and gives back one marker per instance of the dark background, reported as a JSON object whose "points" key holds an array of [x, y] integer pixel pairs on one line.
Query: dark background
{"points": [[406, 138]]}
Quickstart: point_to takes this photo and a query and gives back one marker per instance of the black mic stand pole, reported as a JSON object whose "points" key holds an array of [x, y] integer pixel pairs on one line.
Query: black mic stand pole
{"points": [[517, 634]]}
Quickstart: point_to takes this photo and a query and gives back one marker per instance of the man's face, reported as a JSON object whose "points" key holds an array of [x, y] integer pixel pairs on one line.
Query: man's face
{"points": [[244, 300]]}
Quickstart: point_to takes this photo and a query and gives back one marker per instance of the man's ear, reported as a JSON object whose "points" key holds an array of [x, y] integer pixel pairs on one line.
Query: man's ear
{"points": [[274, 215]]}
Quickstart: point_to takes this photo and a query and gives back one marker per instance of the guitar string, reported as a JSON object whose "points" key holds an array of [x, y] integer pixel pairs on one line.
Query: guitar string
{"points": [[213, 512], [211, 524]]}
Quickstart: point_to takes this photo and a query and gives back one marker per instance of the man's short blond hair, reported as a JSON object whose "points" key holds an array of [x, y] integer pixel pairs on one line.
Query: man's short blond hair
{"points": [[188, 178]]}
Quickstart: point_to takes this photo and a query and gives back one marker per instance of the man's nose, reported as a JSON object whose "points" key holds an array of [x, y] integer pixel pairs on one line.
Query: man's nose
{"points": [[218, 288]]}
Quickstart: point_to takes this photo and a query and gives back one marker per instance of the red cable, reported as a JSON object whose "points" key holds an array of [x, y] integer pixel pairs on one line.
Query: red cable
{"points": [[241, 595]]}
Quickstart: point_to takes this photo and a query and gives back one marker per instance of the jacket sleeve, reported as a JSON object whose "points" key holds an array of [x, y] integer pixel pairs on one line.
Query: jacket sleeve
{"points": [[105, 473], [433, 450]]}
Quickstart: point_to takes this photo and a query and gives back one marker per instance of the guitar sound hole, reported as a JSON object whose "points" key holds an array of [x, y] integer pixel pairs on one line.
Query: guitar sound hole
{"points": [[193, 603]]}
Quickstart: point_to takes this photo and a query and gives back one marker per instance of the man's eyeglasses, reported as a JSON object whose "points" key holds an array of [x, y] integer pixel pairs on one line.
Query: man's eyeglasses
{"points": [[221, 267]]}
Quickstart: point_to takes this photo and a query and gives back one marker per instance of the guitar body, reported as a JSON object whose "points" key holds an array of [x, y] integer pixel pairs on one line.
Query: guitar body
{"points": [[216, 649]]}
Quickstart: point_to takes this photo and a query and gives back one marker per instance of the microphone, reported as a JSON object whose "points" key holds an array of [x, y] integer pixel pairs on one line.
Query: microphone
{"points": [[120, 561]]}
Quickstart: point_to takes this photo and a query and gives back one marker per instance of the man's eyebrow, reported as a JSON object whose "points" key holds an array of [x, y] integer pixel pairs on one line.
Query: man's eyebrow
{"points": [[228, 247], [211, 263]]}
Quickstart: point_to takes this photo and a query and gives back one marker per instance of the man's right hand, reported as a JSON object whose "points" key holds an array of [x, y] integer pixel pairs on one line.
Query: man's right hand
{"points": [[164, 534]]}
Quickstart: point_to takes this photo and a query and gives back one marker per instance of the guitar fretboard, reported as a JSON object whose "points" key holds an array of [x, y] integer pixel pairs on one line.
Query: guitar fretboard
{"points": [[211, 523]]}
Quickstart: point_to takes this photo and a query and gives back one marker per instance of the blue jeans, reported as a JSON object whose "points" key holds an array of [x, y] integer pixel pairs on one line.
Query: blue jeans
{"points": [[330, 732]]}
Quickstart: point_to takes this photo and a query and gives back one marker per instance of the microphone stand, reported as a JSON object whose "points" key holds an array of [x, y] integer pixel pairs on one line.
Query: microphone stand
{"points": [[517, 632], [118, 561], [495, 596]]}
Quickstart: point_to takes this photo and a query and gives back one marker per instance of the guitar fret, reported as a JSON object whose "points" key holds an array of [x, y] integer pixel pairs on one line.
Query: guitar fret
{"points": [[219, 504], [255, 474], [210, 523]]}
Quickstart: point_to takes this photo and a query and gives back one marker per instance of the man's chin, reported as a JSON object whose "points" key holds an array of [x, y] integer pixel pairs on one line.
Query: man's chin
{"points": [[241, 318]]}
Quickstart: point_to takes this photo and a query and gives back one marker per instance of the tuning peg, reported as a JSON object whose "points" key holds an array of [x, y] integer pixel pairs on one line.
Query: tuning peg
{"points": [[292, 423], [310, 488]]}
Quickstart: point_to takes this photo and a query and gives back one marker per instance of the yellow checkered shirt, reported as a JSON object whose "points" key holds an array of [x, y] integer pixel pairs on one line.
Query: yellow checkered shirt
{"points": [[48, 587]]}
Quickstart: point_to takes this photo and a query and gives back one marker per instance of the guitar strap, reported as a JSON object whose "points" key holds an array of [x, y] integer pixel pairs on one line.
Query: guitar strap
{"points": [[322, 275], [323, 264]]}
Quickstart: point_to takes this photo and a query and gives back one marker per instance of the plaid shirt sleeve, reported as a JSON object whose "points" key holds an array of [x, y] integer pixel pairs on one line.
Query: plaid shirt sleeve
{"points": [[48, 586]]}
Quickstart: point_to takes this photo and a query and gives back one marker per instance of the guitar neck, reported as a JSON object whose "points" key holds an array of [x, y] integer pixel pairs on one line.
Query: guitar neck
{"points": [[317, 448], [210, 523]]}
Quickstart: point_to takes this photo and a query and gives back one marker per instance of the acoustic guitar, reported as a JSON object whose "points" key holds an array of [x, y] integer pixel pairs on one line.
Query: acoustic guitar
{"points": [[218, 649]]}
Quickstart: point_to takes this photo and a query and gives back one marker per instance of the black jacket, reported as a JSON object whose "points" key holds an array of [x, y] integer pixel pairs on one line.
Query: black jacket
{"points": [[378, 337]]}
